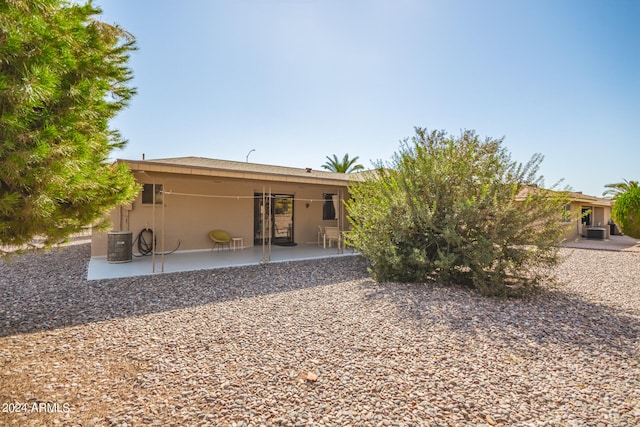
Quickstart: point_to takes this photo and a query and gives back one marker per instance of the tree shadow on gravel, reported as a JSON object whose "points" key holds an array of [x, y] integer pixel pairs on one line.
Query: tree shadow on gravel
{"points": [[40, 292], [551, 317]]}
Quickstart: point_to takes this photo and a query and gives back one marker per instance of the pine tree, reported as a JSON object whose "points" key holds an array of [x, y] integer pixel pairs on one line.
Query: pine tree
{"points": [[63, 76]]}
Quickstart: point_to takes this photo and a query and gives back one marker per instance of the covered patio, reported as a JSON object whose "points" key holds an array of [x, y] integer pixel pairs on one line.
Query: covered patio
{"points": [[99, 268]]}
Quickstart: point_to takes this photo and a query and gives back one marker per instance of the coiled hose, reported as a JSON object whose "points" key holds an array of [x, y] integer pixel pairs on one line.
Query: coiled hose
{"points": [[146, 240]]}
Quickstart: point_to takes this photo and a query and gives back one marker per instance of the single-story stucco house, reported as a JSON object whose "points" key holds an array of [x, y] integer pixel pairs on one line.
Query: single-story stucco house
{"points": [[183, 199], [589, 216], [584, 216]]}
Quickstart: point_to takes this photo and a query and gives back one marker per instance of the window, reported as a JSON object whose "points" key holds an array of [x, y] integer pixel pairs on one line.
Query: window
{"points": [[329, 206], [586, 216], [148, 192], [566, 213]]}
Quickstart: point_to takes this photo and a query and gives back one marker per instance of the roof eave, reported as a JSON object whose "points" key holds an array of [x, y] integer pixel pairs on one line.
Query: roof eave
{"points": [[161, 167]]}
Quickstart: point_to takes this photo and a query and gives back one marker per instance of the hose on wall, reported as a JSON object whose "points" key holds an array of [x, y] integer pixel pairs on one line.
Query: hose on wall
{"points": [[145, 240]]}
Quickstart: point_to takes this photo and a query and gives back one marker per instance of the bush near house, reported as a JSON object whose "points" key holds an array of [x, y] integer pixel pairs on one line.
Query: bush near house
{"points": [[626, 212], [445, 208]]}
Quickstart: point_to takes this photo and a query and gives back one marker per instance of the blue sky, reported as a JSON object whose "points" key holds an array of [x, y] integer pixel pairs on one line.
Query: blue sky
{"points": [[300, 80]]}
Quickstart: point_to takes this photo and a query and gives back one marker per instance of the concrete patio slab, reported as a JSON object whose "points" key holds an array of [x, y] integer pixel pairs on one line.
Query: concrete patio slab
{"points": [[613, 243], [100, 268]]}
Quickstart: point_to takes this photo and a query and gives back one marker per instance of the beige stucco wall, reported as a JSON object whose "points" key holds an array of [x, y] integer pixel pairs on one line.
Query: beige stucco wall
{"points": [[600, 216], [189, 218]]}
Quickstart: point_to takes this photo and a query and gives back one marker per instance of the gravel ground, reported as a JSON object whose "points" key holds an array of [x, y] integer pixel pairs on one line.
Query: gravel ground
{"points": [[315, 343]]}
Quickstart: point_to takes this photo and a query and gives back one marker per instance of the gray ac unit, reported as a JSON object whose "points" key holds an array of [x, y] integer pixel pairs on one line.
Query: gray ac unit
{"points": [[119, 245]]}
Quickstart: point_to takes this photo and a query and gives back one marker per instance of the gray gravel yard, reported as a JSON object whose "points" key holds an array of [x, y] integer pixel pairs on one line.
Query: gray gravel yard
{"points": [[315, 343]]}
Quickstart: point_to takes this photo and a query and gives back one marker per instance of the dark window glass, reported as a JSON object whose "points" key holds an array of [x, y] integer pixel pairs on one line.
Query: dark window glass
{"points": [[147, 194], [328, 206]]}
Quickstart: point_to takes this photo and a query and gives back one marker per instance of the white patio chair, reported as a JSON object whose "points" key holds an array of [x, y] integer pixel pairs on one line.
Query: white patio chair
{"points": [[330, 234], [320, 235]]}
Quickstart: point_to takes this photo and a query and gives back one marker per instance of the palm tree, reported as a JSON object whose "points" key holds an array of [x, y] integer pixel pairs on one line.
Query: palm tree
{"points": [[347, 165], [614, 190]]}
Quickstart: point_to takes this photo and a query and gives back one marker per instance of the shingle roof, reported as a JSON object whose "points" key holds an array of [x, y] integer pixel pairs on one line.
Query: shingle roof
{"points": [[207, 166], [573, 196], [585, 198]]}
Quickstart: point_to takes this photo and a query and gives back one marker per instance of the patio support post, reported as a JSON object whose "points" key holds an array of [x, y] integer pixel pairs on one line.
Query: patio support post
{"points": [[270, 222], [266, 228], [340, 225], [153, 227], [163, 205], [262, 223]]}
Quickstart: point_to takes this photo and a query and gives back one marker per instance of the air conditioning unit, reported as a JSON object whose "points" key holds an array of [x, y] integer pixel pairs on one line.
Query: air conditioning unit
{"points": [[119, 246]]}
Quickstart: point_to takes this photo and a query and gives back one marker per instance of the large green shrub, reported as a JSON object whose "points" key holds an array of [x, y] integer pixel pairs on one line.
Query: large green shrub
{"points": [[626, 212], [63, 77], [459, 210]]}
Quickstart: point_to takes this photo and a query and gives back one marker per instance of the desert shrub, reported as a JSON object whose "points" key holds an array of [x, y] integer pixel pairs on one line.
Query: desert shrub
{"points": [[458, 210]]}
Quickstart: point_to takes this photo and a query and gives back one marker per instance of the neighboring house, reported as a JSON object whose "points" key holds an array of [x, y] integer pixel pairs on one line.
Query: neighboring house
{"points": [[185, 198], [589, 216], [585, 216]]}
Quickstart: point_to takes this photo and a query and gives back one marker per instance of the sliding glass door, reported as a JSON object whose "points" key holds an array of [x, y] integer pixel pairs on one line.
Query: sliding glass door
{"points": [[273, 218]]}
